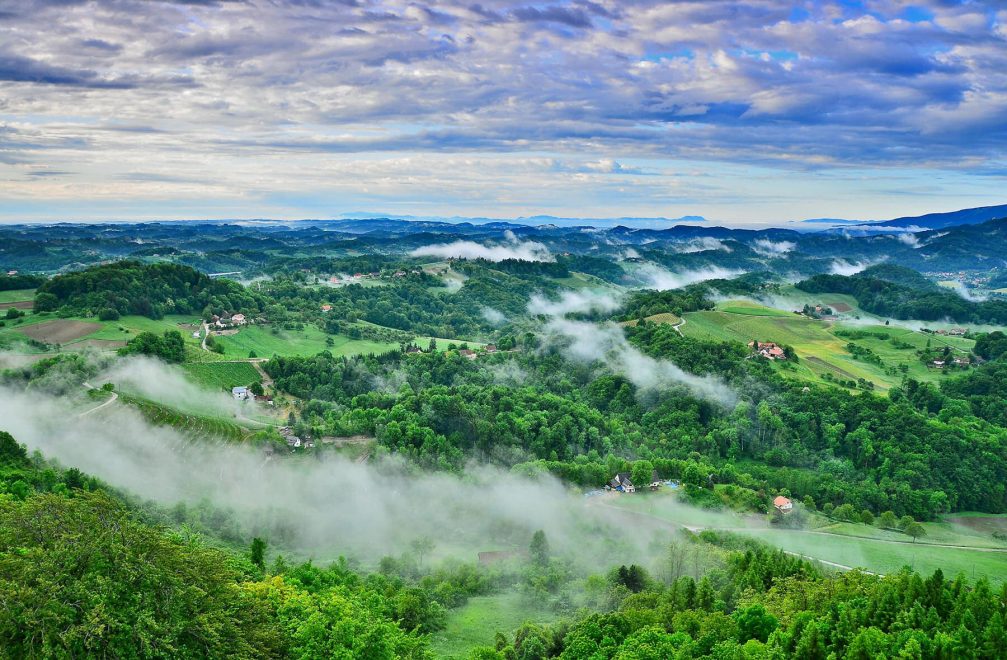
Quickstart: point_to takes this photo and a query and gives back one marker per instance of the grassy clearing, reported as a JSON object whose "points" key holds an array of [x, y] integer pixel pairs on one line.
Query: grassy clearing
{"points": [[477, 622], [859, 546], [309, 341], [887, 557], [821, 350], [222, 375], [17, 295]]}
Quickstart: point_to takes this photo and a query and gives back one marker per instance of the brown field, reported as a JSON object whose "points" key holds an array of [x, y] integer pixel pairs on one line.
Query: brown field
{"points": [[20, 304], [60, 331], [842, 308]]}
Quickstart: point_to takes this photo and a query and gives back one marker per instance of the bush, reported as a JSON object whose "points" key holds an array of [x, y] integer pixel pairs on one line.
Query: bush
{"points": [[108, 314]]}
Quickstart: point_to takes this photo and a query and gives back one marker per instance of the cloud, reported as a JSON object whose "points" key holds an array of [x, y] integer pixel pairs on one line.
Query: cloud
{"points": [[606, 343], [655, 277], [967, 293], [909, 239], [708, 95], [493, 316], [700, 244], [513, 248], [768, 248], [574, 302], [844, 267]]}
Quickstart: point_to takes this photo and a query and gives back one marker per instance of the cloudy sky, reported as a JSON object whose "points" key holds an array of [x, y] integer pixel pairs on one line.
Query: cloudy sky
{"points": [[753, 111]]}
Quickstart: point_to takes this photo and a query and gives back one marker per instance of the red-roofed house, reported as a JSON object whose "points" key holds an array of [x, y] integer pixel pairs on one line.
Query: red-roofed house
{"points": [[783, 504]]}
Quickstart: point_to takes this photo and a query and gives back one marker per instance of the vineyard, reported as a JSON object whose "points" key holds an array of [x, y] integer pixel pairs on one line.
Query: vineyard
{"points": [[222, 375], [193, 427]]}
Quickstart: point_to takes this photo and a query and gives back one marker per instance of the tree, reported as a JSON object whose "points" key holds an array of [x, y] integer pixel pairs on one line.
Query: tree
{"points": [[642, 473], [915, 530], [258, 552], [538, 549], [422, 546], [866, 517], [256, 388], [888, 520]]}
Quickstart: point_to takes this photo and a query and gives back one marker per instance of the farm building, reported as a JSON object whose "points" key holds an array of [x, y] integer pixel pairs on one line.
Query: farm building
{"points": [[767, 350], [240, 393], [622, 483], [783, 504], [468, 353]]}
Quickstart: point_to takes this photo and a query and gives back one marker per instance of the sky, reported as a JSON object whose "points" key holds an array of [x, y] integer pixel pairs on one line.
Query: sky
{"points": [[751, 112]]}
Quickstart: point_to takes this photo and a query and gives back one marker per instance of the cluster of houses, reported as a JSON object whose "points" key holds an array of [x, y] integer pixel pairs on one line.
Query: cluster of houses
{"points": [[293, 441], [621, 483], [955, 361], [767, 349], [952, 332], [226, 320]]}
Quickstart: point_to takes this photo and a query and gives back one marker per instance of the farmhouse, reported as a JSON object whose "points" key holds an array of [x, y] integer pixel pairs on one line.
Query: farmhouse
{"points": [[767, 350], [622, 483], [783, 504], [238, 319], [468, 353], [655, 481], [326, 308], [240, 393], [490, 348]]}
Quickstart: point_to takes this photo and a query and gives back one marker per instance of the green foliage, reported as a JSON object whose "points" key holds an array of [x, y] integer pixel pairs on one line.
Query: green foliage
{"points": [[152, 290], [170, 346], [81, 577]]}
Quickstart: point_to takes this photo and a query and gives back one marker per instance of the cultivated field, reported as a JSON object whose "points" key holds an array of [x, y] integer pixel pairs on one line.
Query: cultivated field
{"points": [[222, 375], [60, 331], [667, 317]]}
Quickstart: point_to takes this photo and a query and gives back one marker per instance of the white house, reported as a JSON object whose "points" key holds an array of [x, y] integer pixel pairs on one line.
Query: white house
{"points": [[240, 393]]}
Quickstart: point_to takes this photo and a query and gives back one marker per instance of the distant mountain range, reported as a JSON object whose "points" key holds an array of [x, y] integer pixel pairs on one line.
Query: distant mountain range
{"points": [[919, 222]]}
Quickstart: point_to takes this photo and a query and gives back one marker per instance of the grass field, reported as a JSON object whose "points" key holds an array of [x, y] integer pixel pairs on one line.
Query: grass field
{"points": [[17, 295], [477, 622], [859, 546], [222, 375], [309, 341], [821, 350], [666, 317]]}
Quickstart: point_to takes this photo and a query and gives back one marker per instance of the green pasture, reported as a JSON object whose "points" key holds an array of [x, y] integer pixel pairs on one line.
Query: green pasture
{"points": [[477, 622], [222, 375], [17, 295], [267, 341]]}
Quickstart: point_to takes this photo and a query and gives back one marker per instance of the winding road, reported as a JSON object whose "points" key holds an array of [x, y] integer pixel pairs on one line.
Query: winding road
{"points": [[101, 405]]}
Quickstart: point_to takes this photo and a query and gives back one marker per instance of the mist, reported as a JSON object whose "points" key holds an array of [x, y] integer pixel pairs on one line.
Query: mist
{"points": [[512, 248], [768, 248], [661, 279], [909, 239], [606, 342], [331, 506], [701, 244], [844, 267], [967, 293], [574, 302]]}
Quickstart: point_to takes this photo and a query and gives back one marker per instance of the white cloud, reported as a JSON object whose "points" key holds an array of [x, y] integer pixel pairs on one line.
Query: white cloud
{"points": [[844, 267], [700, 244], [655, 277], [574, 302], [514, 248], [768, 248]]}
